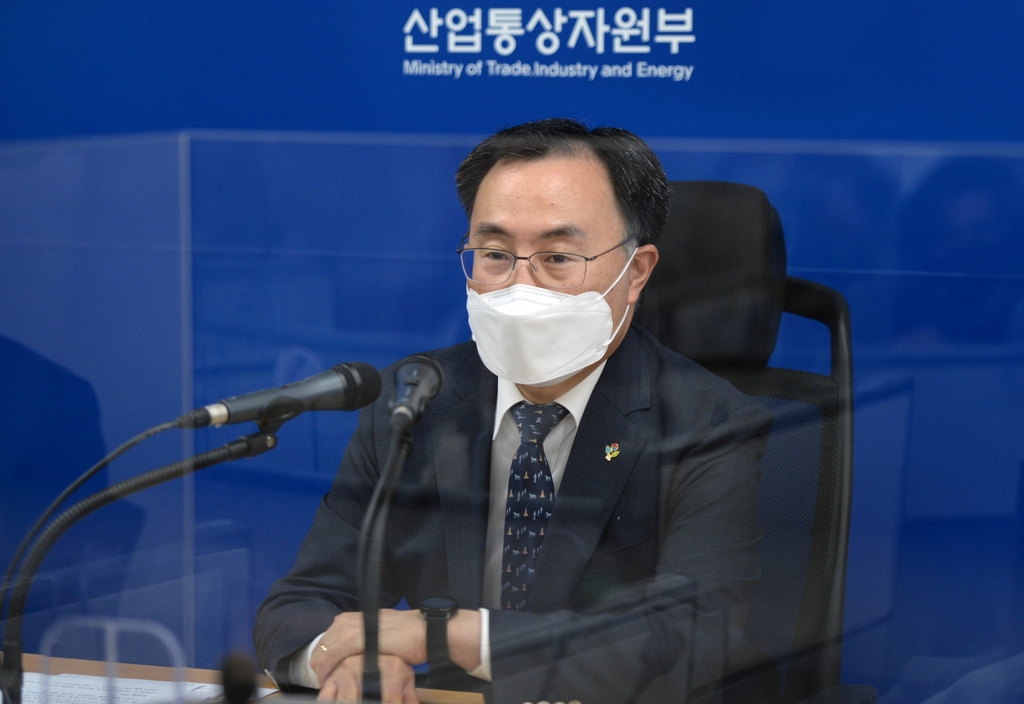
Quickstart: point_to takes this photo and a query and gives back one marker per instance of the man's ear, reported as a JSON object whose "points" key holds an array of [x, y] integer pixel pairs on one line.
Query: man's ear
{"points": [[644, 260]]}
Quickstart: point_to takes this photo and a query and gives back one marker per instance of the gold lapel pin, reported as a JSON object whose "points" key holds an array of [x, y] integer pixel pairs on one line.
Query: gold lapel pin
{"points": [[611, 451]]}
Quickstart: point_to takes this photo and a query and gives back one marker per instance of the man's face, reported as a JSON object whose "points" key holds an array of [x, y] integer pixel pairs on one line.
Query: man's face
{"points": [[555, 204]]}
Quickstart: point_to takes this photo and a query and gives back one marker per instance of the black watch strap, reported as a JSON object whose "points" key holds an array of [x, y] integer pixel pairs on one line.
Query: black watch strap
{"points": [[437, 611]]}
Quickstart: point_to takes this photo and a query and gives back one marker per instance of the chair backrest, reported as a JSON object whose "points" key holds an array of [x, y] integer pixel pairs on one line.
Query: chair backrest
{"points": [[717, 296]]}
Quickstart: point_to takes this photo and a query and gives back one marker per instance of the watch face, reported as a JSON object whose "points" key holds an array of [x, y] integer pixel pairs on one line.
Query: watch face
{"points": [[439, 605]]}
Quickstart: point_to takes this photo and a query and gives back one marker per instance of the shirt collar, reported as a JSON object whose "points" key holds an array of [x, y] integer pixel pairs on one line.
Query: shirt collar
{"points": [[574, 400]]}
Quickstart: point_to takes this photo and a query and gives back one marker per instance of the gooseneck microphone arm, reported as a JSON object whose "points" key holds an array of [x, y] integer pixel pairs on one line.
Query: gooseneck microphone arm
{"points": [[11, 670], [371, 562], [12, 567], [417, 381]]}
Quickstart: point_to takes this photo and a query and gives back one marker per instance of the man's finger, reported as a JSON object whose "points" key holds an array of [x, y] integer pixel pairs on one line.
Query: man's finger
{"points": [[350, 679], [342, 685], [409, 693], [328, 692], [395, 677]]}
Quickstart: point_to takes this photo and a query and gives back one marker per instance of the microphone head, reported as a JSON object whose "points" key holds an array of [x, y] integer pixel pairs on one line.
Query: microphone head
{"points": [[417, 381], [362, 384], [238, 677]]}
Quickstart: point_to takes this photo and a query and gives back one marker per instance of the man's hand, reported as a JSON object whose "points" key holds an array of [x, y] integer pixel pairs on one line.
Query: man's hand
{"points": [[337, 660], [401, 633], [464, 639], [397, 681]]}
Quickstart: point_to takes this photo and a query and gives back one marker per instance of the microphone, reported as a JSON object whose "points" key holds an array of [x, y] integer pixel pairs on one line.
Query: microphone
{"points": [[345, 387], [238, 676], [417, 381]]}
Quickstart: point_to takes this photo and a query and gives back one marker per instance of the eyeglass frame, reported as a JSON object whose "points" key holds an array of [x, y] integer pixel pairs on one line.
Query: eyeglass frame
{"points": [[512, 269]]}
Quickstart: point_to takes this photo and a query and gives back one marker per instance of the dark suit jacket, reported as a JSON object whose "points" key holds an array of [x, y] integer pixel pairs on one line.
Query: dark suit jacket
{"points": [[614, 613]]}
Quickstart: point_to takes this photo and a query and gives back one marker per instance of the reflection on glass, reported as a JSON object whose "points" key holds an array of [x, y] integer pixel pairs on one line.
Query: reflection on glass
{"points": [[306, 255]]}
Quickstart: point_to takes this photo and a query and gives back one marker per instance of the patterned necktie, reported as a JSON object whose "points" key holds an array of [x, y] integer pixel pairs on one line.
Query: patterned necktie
{"points": [[531, 496]]}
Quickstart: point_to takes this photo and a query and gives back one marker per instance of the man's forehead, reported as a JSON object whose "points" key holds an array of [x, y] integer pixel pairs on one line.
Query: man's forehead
{"points": [[556, 177], [569, 231], [563, 200]]}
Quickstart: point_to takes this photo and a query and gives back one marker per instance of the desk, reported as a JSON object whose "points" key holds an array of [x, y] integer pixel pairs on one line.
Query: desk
{"points": [[71, 666]]}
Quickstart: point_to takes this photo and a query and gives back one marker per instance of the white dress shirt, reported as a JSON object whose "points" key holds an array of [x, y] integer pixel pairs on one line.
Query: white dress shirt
{"points": [[505, 442]]}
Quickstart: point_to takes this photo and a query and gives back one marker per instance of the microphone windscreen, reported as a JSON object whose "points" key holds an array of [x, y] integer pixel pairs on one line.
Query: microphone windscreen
{"points": [[362, 382], [239, 678]]}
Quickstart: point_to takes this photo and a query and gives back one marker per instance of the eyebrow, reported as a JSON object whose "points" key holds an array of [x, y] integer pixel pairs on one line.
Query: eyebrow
{"points": [[571, 231]]}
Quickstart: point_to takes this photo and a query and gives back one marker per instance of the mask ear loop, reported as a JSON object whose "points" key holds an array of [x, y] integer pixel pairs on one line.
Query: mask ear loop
{"points": [[614, 284], [621, 273]]}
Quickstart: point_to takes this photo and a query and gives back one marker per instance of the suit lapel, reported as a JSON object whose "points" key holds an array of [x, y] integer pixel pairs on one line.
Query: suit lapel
{"points": [[592, 484], [461, 451]]}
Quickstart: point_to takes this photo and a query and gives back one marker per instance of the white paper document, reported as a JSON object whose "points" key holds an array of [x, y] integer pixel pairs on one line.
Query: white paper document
{"points": [[88, 689]]}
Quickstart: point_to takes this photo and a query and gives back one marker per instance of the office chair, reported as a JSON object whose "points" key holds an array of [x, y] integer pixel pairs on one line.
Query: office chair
{"points": [[717, 296]]}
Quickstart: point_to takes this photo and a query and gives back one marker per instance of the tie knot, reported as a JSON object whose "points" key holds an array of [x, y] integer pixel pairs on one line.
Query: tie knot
{"points": [[535, 422]]}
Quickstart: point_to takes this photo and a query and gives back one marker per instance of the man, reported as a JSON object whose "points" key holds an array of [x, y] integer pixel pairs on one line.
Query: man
{"points": [[573, 480]]}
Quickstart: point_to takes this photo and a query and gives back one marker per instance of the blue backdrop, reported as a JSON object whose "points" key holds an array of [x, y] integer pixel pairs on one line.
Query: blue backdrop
{"points": [[198, 201]]}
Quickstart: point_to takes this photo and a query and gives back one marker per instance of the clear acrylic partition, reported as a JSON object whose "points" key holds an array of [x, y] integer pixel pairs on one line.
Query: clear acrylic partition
{"points": [[106, 634], [144, 276], [95, 337]]}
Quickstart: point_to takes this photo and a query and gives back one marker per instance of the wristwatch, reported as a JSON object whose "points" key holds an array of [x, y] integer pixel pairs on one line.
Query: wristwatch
{"points": [[437, 610]]}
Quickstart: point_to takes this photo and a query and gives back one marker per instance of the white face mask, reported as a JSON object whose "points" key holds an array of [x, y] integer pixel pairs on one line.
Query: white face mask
{"points": [[539, 337]]}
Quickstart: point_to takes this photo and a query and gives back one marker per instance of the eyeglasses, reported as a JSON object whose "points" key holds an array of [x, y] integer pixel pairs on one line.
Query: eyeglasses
{"points": [[484, 265]]}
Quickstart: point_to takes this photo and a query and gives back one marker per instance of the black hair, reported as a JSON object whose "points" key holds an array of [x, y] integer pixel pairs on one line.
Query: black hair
{"points": [[641, 187]]}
